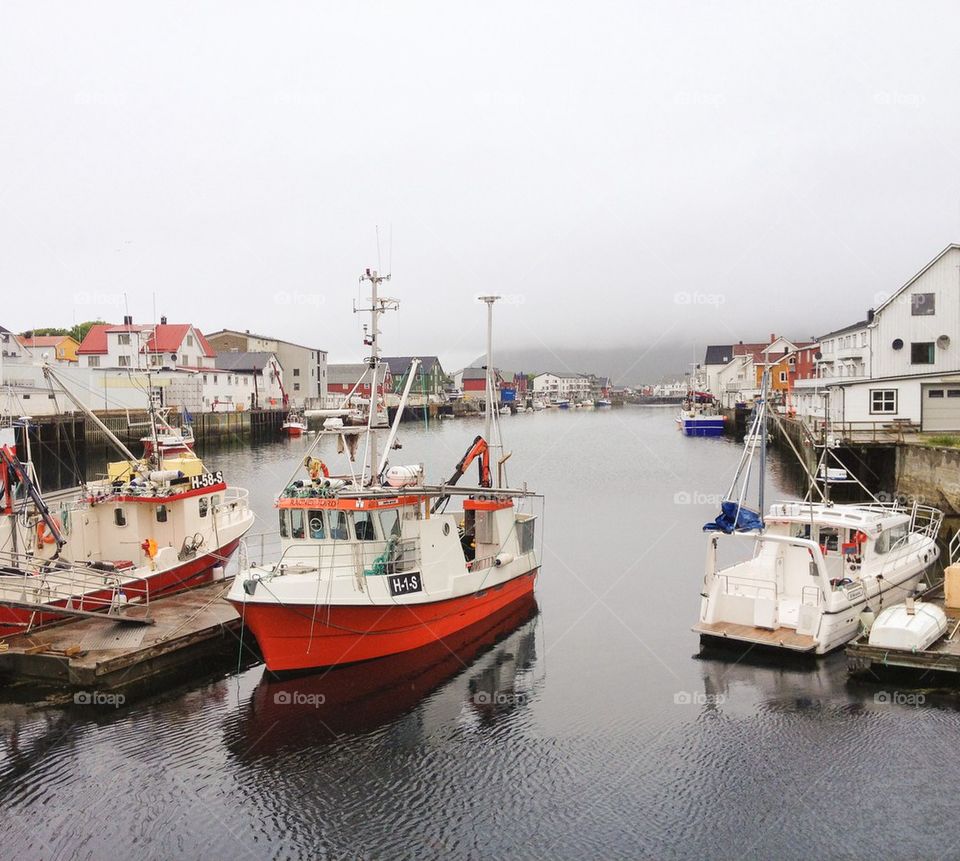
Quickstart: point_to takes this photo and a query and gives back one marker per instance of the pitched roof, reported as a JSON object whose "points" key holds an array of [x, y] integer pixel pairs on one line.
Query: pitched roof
{"points": [[346, 373], [718, 354], [239, 361], [399, 365], [853, 327], [951, 247], [162, 338], [249, 334], [38, 341], [474, 373]]}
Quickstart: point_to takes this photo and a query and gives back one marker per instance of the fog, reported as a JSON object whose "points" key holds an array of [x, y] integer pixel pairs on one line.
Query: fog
{"points": [[624, 174]]}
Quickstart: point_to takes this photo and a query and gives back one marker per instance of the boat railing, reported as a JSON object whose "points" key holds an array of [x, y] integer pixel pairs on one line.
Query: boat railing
{"points": [[32, 583], [953, 548], [236, 501], [266, 548]]}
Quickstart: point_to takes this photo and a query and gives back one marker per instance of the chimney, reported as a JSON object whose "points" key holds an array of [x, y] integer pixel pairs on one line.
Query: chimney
{"points": [[870, 314], [163, 321], [773, 337], [127, 320]]}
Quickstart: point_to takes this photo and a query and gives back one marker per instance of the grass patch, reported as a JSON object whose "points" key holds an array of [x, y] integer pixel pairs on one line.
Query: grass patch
{"points": [[947, 440]]}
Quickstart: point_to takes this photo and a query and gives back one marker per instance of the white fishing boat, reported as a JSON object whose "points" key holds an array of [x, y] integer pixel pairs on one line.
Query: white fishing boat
{"points": [[151, 526], [811, 567], [372, 563], [538, 405]]}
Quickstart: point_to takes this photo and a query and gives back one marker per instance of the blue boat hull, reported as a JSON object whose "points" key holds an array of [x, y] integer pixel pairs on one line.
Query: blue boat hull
{"points": [[703, 426]]}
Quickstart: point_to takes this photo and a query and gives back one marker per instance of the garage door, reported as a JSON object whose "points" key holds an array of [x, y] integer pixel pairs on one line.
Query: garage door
{"points": [[941, 407]]}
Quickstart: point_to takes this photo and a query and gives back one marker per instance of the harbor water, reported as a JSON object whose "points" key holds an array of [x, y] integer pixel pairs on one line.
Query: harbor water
{"points": [[587, 726]]}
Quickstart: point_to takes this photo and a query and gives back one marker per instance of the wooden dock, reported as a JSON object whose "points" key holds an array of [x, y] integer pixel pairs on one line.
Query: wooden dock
{"points": [[943, 657], [105, 653]]}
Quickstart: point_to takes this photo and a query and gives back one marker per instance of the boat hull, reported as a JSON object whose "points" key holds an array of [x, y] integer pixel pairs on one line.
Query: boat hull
{"points": [[306, 637], [712, 426], [188, 575]]}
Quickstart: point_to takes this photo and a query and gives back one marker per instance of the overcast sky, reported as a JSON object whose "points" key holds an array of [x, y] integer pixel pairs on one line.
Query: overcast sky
{"points": [[629, 173]]}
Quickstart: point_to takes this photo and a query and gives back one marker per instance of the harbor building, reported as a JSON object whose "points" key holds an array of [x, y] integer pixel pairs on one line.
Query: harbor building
{"points": [[304, 368]]}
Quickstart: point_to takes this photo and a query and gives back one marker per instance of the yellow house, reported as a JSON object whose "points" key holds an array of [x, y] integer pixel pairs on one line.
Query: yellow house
{"points": [[62, 348]]}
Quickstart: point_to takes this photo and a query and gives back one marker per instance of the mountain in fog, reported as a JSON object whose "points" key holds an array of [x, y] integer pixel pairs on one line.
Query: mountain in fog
{"points": [[626, 366]]}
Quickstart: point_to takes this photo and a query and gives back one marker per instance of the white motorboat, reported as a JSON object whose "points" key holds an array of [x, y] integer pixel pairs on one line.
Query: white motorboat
{"points": [[812, 567]]}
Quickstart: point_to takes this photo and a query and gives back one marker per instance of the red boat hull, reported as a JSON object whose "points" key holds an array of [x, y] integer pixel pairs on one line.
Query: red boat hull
{"points": [[305, 638], [190, 574]]}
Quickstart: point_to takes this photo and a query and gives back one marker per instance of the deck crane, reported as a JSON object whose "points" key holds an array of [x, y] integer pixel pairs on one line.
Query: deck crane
{"points": [[478, 448]]}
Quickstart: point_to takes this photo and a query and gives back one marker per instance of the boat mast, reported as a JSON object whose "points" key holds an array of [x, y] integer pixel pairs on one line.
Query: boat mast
{"points": [[492, 433], [765, 381], [377, 306]]}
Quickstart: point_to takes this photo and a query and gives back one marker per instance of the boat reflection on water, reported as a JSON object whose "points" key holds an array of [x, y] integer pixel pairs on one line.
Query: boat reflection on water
{"points": [[296, 712], [755, 682]]}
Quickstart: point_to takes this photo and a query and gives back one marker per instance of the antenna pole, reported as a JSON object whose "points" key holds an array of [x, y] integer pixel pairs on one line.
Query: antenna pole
{"points": [[491, 421]]}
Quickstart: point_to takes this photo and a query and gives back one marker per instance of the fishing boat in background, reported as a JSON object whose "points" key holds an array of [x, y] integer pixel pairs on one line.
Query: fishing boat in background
{"points": [[699, 416], [813, 567], [604, 402], [372, 563], [294, 424], [152, 526]]}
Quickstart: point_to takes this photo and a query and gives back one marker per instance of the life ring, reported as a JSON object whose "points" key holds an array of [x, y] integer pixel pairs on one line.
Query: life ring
{"points": [[316, 468], [44, 537]]}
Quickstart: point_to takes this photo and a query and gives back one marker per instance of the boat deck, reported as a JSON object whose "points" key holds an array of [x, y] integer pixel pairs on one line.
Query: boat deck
{"points": [[783, 638], [942, 657], [106, 653]]}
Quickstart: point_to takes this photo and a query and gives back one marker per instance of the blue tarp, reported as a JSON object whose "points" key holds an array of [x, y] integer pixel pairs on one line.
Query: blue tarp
{"points": [[730, 520]]}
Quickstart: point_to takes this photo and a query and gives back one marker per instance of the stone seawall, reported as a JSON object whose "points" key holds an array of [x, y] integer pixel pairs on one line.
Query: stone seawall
{"points": [[930, 475]]}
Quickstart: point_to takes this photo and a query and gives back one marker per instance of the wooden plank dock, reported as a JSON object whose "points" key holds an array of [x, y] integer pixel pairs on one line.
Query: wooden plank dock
{"points": [[104, 653], [943, 657]]}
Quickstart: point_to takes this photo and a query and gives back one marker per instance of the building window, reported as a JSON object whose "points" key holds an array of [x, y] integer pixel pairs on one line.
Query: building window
{"points": [[921, 353], [783, 376], [296, 372], [296, 387], [189, 340], [923, 304], [883, 401], [124, 361], [935, 393], [123, 340], [93, 361]]}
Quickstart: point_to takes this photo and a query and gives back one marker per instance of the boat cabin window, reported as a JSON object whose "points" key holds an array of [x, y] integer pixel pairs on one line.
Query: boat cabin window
{"points": [[363, 526], [284, 524], [390, 523], [889, 538], [338, 525], [830, 538], [119, 517], [161, 514], [296, 523], [204, 504], [315, 522], [215, 501]]}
